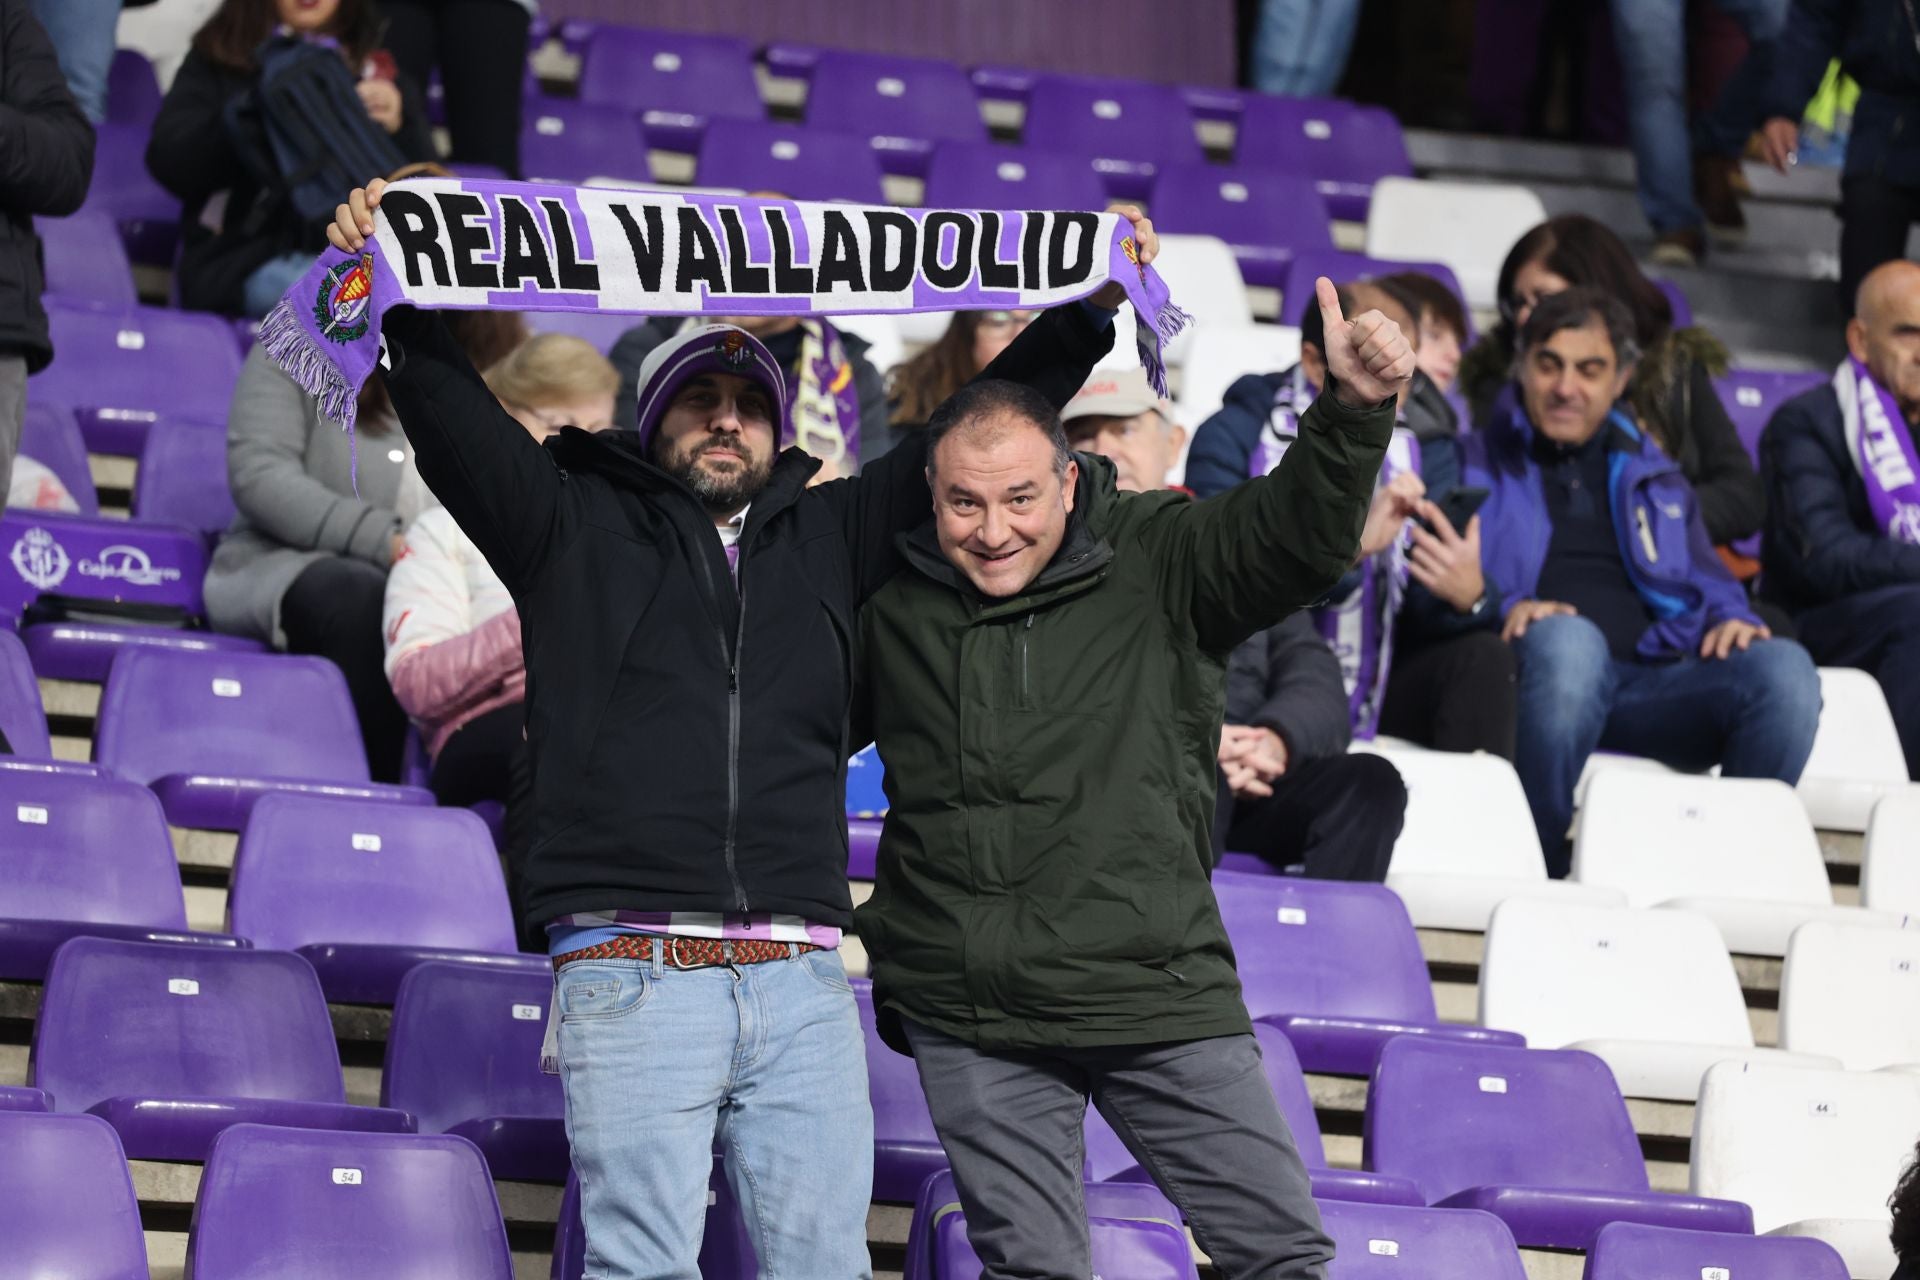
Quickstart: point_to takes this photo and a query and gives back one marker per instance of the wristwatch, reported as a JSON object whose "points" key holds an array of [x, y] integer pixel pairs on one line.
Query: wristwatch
{"points": [[1478, 606]]}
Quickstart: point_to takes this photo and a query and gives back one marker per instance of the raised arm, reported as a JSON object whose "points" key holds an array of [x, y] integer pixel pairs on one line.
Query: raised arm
{"points": [[1243, 560], [500, 486]]}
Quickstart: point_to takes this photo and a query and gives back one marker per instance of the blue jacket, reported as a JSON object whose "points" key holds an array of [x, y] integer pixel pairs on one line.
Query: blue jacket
{"points": [[1875, 45], [1662, 539], [1223, 445], [1822, 542]]}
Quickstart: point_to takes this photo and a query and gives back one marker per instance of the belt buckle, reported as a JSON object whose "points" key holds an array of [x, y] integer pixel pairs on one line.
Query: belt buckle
{"points": [[673, 957]]}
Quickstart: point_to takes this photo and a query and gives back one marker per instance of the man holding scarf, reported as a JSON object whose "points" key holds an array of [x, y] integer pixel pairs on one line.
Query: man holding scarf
{"points": [[1842, 545], [687, 606], [1045, 680]]}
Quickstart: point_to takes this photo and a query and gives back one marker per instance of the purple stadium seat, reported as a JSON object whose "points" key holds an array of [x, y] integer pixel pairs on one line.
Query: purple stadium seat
{"points": [[67, 1207], [1208, 102], [366, 890], [1397, 1242], [1335, 965], [464, 1057], [85, 857], [1752, 395], [903, 105], [1002, 83], [22, 717], [863, 847], [171, 1044], [119, 370], [1130, 1201], [133, 90], [99, 559], [50, 436], [1109, 1160], [13, 1098], [209, 732], [1677, 299], [183, 476], [906, 1150], [1296, 285], [1634, 1251], [145, 212], [1125, 127], [1265, 216], [793, 60], [726, 1251], [566, 141], [801, 164], [83, 649], [86, 263], [279, 1204], [676, 81], [1538, 1137], [601, 328], [866, 794], [1121, 1247], [1344, 148], [985, 175]]}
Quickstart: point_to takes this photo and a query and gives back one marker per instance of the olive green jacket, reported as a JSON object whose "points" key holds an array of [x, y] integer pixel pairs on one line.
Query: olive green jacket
{"points": [[1043, 878]]}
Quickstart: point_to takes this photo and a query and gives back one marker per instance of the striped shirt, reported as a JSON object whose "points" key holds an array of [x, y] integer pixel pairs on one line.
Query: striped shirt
{"points": [[585, 929]]}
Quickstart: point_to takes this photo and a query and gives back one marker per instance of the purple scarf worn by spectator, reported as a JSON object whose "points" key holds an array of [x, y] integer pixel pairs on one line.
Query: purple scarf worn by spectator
{"points": [[470, 244], [1882, 448]]}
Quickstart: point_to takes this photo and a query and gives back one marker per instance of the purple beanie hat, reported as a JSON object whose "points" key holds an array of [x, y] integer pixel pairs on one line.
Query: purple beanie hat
{"points": [[708, 348]]}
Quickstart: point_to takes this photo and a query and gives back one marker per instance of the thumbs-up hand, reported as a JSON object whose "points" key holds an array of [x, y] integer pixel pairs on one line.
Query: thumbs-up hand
{"points": [[1369, 358]]}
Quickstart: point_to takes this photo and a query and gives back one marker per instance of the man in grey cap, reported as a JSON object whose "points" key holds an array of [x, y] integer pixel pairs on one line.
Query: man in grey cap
{"points": [[1118, 415], [687, 604]]}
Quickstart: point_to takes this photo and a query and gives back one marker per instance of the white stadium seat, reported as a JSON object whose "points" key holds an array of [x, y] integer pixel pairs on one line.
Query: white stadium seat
{"points": [[1227, 352], [885, 347], [1856, 754], [1653, 994], [1853, 991], [922, 328], [1470, 226], [1469, 842], [1740, 851], [1890, 867], [1816, 1153], [1204, 278]]}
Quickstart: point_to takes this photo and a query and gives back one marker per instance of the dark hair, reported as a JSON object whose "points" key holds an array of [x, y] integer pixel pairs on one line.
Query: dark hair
{"points": [[237, 29], [996, 398], [1313, 329], [1429, 298], [486, 336], [1575, 309], [921, 384], [1582, 251], [1905, 1203]]}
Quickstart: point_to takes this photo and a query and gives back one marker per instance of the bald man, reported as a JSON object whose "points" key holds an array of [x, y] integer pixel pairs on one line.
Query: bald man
{"points": [[1842, 547]]}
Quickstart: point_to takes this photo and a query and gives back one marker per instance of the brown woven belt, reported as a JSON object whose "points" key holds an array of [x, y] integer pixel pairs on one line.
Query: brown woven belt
{"points": [[688, 953]]}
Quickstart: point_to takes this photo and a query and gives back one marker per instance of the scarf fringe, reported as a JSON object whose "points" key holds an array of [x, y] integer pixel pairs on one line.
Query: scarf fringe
{"points": [[289, 345], [1168, 323]]}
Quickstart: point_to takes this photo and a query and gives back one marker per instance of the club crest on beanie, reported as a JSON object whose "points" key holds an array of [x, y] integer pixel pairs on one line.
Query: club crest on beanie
{"points": [[707, 348]]}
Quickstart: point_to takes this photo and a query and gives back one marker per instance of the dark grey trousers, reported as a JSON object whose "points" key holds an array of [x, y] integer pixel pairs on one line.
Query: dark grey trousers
{"points": [[1198, 1115]]}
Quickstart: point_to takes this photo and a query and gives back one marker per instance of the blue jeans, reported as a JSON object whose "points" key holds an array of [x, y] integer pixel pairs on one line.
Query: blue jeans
{"points": [[83, 34], [1300, 48], [1652, 40], [768, 1059], [271, 280], [1753, 713]]}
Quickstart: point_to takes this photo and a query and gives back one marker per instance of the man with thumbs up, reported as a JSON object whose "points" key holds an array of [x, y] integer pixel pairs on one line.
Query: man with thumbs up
{"points": [[1045, 680]]}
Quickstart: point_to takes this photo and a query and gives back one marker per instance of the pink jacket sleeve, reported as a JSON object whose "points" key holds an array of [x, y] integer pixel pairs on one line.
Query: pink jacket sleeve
{"points": [[440, 681]]}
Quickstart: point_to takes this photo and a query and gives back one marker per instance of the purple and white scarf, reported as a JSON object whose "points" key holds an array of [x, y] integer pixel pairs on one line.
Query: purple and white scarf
{"points": [[1882, 448], [469, 244]]}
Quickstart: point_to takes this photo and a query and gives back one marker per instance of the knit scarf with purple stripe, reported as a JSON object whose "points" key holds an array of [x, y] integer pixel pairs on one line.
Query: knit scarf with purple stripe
{"points": [[1882, 449], [470, 244]]}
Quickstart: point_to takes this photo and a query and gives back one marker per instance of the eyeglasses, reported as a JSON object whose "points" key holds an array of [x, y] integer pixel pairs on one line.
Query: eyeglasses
{"points": [[1000, 320]]}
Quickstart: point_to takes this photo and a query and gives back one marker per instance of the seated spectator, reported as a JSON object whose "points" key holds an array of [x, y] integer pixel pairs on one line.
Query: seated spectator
{"points": [[1443, 325], [1671, 395], [1289, 791], [1632, 639], [304, 566], [918, 386], [1118, 416], [35, 487], [1453, 692], [1905, 1203], [245, 240], [452, 632], [1842, 548]]}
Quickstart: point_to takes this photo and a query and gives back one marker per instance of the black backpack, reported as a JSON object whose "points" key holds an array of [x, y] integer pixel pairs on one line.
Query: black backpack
{"points": [[323, 142]]}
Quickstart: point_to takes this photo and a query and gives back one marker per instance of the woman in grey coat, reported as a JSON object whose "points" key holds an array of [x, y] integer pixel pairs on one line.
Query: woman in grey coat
{"points": [[304, 565]]}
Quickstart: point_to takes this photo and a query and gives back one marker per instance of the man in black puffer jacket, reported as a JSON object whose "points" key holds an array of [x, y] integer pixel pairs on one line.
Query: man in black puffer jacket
{"points": [[687, 607], [46, 162]]}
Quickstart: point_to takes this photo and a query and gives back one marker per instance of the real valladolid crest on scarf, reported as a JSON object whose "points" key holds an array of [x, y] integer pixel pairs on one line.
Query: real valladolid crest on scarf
{"points": [[470, 245]]}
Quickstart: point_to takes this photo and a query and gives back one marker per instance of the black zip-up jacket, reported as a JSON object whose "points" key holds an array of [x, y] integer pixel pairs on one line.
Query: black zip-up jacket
{"points": [[46, 161], [689, 741]]}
